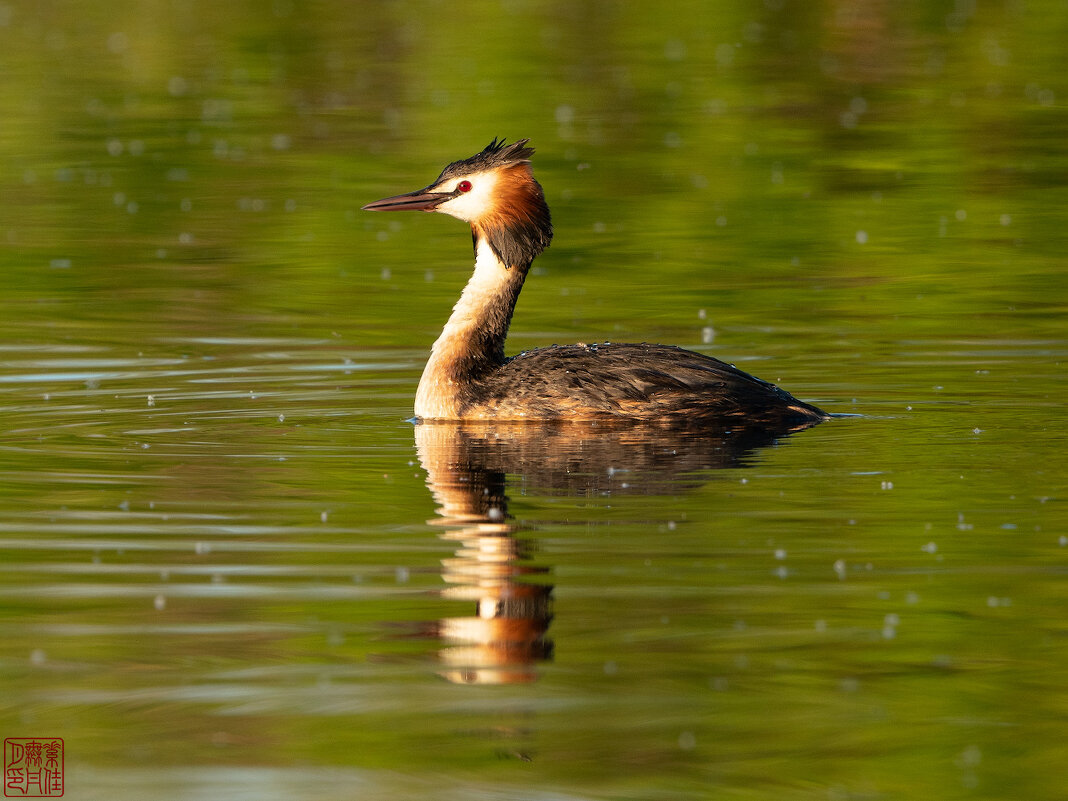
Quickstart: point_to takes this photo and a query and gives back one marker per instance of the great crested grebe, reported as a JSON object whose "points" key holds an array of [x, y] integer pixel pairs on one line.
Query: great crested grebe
{"points": [[468, 376]]}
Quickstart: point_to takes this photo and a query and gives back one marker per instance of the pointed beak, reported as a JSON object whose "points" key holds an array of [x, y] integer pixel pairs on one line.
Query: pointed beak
{"points": [[420, 200]]}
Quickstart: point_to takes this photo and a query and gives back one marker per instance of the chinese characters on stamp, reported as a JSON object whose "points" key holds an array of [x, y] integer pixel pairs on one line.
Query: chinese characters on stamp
{"points": [[33, 767]]}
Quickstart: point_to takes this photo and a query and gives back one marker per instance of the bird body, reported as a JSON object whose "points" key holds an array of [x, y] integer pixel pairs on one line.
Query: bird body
{"points": [[468, 375]]}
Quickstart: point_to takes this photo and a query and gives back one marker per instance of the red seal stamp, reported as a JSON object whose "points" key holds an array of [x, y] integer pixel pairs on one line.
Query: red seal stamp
{"points": [[33, 767]]}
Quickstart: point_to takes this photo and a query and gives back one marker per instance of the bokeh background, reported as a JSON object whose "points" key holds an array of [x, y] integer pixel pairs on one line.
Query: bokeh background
{"points": [[217, 579]]}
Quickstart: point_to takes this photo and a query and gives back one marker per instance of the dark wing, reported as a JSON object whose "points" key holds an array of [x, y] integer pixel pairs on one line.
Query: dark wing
{"points": [[635, 381]]}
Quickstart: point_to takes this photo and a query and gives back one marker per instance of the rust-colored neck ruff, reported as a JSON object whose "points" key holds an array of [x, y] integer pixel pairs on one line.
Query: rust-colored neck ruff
{"points": [[472, 343]]}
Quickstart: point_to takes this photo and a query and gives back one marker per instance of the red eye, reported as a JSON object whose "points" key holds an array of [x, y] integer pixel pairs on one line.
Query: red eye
{"points": [[464, 186]]}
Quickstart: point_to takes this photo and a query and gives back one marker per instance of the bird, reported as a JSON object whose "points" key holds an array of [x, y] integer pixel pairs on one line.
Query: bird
{"points": [[468, 376]]}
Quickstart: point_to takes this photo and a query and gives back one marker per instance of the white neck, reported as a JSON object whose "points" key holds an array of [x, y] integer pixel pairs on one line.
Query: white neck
{"points": [[472, 341]]}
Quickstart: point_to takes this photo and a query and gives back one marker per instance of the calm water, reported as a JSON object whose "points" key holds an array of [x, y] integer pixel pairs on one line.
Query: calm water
{"points": [[229, 568]]}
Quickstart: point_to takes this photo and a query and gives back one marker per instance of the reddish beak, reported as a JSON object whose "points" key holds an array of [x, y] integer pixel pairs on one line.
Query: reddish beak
{"points": [[420, 200]]}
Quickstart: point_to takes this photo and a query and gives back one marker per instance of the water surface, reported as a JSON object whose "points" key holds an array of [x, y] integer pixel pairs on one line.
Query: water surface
{"points": [[229, 565]]}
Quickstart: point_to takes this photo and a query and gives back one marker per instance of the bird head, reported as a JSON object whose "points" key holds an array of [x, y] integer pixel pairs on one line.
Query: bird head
{"points": [[495, 192]]}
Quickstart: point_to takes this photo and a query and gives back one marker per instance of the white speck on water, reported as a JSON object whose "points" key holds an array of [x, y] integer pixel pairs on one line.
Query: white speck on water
{"points": [[1005, 219], [151, 400], [177, 86], [114, 147], [675, 50], [887, 485], [60, 264], [610, 668], [961, 215], [118, 42], [701, 314], [862, 237], [708, 334], [494, 514], [160, 603], [386, 273], [281, 418], [721, 221], [323, 516], [782, 572], [687, 741], [202, 548], [38, 656], [977, 431], [780, 553], [820, 626], [725, 55], [402, 575], [840, 568], [929, 548]]}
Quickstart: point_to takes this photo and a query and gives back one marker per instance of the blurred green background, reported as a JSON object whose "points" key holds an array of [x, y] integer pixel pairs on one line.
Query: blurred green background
{"points": [[216, 576]]}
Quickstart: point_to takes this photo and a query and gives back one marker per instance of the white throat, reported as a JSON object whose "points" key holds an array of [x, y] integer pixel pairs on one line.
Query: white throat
{"points": [[472, 339]]}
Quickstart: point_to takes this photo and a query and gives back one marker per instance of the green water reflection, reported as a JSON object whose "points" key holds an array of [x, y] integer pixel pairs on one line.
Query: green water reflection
{"points": [[223, 571]]}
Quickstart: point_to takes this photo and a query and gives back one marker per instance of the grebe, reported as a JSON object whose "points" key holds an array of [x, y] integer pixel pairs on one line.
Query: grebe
{"points": [[468, 377]]}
